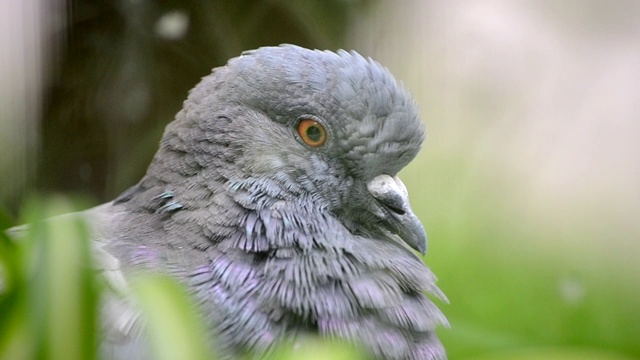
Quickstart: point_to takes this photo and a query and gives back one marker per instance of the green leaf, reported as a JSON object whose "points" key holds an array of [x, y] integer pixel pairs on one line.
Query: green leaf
{"points": [[49, 293], [171, 320]]}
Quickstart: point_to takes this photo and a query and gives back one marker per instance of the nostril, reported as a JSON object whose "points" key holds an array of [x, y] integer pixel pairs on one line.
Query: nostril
{"points": [[395, 209], [395, 206]]}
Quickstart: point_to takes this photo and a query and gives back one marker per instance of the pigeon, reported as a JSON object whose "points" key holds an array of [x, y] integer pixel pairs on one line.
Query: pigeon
{"points": [[274, 198]]}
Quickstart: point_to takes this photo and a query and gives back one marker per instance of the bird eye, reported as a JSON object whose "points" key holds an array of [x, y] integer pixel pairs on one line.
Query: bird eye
{"points": [[312, 132]]}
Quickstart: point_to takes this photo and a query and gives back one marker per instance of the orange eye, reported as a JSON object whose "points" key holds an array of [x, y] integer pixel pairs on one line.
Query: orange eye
{"points": [[312, 132]]}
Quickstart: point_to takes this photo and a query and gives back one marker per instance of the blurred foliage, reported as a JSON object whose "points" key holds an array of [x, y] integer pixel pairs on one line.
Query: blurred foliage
{"points": [[49, 295], [176, 330]]}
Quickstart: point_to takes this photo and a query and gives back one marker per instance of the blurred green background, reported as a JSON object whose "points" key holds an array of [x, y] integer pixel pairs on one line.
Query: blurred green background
{"points": [[527, 183]]}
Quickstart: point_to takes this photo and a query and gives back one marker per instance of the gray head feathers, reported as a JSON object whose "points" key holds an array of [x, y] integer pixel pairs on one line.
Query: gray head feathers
{"points": [[373, 123]]}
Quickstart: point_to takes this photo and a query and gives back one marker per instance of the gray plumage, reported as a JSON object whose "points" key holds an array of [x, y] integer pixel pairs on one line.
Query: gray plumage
{"points": [[277, 239]]}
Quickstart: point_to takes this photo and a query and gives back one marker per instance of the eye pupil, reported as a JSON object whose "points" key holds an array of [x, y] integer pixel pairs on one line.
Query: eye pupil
{"points": [[314, 133]]}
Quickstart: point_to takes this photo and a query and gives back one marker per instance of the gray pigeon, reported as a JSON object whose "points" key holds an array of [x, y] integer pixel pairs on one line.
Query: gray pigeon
{"points": [[274, 198]]}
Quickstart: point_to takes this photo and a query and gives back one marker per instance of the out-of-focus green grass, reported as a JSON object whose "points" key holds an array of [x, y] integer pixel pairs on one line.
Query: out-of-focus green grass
{"points": [[49, 296], [521, 288]]}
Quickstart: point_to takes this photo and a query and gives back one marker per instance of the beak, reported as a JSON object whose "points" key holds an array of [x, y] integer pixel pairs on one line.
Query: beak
{"points": [[393, 197]]}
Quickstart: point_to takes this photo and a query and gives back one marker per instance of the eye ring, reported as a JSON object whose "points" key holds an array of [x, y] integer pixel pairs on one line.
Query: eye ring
{"points": [[312, 132]]}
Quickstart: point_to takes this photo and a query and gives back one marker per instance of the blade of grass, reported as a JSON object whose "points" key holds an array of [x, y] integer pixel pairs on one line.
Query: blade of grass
{"points": [[174, 329], [65, 300]]}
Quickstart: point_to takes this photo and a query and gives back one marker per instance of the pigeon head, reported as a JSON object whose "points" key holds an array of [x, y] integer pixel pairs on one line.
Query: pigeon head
{"points": [[274, 195], [285, 123]]}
